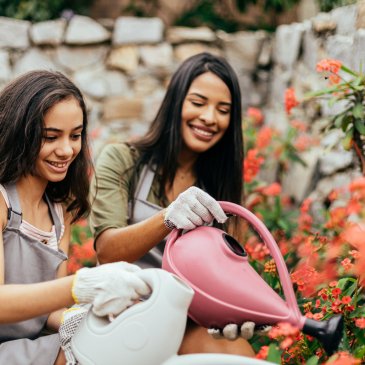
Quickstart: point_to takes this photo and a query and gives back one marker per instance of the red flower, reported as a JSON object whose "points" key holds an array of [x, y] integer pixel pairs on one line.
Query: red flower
{"points": [[262, 354], [330, 68], [251, 165], [264, 137], [360, 322], [272, 190], [256, 115], [290, 100], [330, 65]]}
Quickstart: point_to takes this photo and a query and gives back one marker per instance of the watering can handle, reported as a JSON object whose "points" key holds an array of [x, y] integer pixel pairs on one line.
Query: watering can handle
{"points": [[268, 239]]}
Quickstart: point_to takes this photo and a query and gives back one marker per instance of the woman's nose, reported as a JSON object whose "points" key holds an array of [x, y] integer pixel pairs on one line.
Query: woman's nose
{"points": [[64, 149], [208, 115]]}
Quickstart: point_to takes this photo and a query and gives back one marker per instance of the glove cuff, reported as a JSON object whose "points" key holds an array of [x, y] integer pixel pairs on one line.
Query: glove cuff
{"points": [[84, 285]]}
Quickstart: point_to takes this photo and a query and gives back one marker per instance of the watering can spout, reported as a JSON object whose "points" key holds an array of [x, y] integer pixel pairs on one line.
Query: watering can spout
{"points": [[329, 332]]}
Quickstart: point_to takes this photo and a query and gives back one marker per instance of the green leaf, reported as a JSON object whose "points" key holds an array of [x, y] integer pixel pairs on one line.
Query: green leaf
{"points": [[359, 352], [338, 120], [274, 354], [359, 125], [312, 361], [347, 141], [358, 111], [349, 71]]}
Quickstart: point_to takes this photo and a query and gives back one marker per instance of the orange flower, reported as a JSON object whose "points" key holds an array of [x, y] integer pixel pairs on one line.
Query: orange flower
{"points": [[272, 190], [264, 137], [290, 100], [330, 68], [360, 322], [299, 125], [330, 65], [262, 354], [256, 115], [251, 165], [303, 142]]}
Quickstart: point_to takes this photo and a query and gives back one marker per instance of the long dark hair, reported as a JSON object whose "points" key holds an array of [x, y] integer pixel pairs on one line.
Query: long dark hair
{"points": [[219, 170], [23, 105]]}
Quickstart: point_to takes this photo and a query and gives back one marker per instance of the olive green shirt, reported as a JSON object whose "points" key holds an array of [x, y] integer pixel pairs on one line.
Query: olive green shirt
{"points": [[114, 170]]}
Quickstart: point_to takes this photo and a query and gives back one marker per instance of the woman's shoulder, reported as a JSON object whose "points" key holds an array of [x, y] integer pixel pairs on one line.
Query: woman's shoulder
{"points": [[117, 157], [119, 151]]}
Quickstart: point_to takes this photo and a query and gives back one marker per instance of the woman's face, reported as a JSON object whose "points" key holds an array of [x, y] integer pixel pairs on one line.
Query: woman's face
{"points": [[63, 124], [206, 113]]}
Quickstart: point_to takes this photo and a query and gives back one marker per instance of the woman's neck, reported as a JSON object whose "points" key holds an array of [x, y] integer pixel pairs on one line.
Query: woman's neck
{"points": [[31, 190], [186, 161]]}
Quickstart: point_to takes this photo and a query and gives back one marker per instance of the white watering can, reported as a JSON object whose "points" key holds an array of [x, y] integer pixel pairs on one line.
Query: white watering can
{"points": [[148, 333]]}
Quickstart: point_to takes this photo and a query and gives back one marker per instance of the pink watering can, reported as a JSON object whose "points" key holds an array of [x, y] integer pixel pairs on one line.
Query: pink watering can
{"points": [[228, 290]]}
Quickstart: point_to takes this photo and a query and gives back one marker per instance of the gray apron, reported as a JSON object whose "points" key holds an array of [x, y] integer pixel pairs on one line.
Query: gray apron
{"points": [[28, 261], [142, 210]]}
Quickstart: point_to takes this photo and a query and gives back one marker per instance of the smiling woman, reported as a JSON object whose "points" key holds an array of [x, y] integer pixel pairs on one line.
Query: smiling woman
{"points": [[62, 130], [194, 143]]}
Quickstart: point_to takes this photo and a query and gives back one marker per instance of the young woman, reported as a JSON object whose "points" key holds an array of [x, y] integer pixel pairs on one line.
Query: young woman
{"points": [[44, 187], [193, 152]]}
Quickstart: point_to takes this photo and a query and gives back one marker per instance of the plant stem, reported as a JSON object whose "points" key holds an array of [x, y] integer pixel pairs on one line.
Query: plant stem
{"points": [[359, 155]]}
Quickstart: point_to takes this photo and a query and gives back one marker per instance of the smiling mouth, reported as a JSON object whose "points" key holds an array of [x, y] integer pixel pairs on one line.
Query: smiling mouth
{"points": [[59, 165], [202, 132]]}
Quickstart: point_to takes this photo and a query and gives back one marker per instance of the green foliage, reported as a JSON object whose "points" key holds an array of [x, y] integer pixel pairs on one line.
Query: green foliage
{"points": [[39, 10], [208, 12], [327, 5]]}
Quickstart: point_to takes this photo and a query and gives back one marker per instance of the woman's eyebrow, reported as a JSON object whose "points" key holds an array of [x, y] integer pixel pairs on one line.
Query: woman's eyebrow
{"points": [[51, 129]]}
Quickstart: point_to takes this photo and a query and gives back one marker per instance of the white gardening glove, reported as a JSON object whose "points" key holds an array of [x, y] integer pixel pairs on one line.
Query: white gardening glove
{"points": [[111, 288], [70, 322], [231, 332], [193, 208]]}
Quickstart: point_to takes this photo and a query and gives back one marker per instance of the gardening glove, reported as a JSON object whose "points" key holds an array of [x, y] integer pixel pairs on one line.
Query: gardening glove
{"points": [[246, 331], [111, 288], [71, 319], [193, 208]]}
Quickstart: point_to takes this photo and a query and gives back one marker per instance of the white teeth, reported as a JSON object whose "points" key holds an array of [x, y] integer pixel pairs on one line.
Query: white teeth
{"points": [[58, 164], [202, 132]]}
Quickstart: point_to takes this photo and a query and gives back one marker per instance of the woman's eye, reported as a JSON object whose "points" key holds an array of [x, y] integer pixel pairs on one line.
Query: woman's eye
{"points": [[76, 136], [49, 138], [224, 111], [197, 103]]}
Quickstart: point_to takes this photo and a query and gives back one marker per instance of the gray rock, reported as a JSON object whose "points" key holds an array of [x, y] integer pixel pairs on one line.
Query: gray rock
{"points": [[34, 59], [243, 49], [14, 33], [129, 30], [333, 161], [48, 33], [288, 40], [5, 68], [84, 30], [76, 58], [186, 34], [100, 83]]}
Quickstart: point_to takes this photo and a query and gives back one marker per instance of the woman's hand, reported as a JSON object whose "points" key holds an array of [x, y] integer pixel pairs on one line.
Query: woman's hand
{"points": [[193, 208], [111, 288]]}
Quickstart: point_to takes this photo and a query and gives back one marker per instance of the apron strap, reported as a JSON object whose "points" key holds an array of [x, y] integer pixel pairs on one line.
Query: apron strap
{"points": [[55, 218], [144, 183], [14, 210]]}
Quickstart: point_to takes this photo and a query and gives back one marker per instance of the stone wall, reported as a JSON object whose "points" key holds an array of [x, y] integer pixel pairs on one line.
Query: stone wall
{"points": [[122, 66]]}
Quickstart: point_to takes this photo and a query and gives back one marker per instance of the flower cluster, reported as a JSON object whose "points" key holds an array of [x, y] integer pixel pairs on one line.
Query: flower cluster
{"points": [[324, 253]]}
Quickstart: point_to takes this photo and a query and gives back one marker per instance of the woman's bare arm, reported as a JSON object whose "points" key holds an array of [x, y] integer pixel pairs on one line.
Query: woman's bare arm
{"points": [[132, 242]]}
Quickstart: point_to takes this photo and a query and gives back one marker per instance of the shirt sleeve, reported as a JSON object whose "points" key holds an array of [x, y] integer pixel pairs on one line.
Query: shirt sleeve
{"points": [[110, 187]]}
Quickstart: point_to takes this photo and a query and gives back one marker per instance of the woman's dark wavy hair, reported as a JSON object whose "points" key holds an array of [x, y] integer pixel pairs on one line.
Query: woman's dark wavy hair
{"points": [[219, 170], [24, 103]]}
